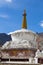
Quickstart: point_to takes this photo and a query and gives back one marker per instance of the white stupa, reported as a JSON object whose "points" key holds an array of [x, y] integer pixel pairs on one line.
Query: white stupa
{"points": [[22, 38]]}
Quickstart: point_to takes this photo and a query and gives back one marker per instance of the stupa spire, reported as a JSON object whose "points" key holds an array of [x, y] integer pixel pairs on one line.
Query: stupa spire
{"points": [[24, 22]]}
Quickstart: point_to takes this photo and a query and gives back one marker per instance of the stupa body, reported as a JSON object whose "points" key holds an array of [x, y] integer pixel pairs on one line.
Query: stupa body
{"points": [[23, 44]]}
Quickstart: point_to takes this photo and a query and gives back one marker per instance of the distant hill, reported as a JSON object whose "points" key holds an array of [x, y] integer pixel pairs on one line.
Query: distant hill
{"points": [[40, 37], [4, 37], [40, 34]]}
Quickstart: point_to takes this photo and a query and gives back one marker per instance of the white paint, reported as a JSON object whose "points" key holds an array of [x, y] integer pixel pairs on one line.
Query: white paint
{"points": [[22, 39]]}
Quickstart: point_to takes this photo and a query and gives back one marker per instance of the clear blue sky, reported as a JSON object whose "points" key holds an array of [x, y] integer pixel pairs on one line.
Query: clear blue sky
{"points": [[11, 15]]}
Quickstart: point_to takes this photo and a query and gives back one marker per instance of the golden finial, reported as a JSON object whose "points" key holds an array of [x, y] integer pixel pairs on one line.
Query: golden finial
{"points": [[24, 23]]}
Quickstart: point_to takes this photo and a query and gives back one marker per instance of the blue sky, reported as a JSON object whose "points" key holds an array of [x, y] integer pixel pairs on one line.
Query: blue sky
{"points": [[11, 15]]}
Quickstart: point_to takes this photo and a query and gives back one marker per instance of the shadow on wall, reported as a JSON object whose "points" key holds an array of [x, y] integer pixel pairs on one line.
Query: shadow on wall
{"points": [[4, 37]]}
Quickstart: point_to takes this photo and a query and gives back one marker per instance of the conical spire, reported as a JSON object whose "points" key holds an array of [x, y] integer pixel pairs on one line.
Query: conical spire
{"points": [[24, 23]]}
